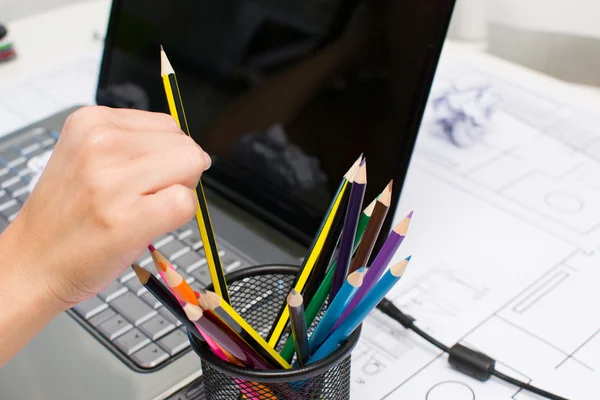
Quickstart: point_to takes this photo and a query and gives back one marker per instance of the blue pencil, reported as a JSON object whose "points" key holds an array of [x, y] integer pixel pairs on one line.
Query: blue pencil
{"points": [[335, 309], [367, 305]]}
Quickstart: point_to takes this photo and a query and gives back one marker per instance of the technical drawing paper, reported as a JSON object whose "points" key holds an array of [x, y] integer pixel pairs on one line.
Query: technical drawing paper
{"points": [[505, 241]]}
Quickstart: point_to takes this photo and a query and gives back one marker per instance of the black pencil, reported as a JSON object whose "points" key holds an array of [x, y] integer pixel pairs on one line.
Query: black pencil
{"points": [[299, 331], [166, 298]]}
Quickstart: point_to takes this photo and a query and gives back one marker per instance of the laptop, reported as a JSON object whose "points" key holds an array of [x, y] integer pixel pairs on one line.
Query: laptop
{"points": [[284, 95]]}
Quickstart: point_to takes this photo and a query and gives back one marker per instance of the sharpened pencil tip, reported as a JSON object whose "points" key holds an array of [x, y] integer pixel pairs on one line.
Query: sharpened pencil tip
{"points": [[151, 248], [408, 258], [161, 48], [142, 274], [409, 215]]}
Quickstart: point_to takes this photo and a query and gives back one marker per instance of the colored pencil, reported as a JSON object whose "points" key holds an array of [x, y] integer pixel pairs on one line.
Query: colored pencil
{"points": [[354, 207], [298, 322], [316, 303], [173, 304], [377, 293], [366, 246], [307, 267], [332, 239], [207, 235], [179, 286], [167, 299], [219, 311], [336, 308], [377, 268], [160, 261], [226, 338]]}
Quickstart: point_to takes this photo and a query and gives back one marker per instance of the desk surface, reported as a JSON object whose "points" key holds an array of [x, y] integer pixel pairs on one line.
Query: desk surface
{"points": [[493, 261]]}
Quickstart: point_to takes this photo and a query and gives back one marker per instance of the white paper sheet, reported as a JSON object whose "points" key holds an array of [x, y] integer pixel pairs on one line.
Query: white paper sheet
{"points": [[505, 241], [22, 103]]}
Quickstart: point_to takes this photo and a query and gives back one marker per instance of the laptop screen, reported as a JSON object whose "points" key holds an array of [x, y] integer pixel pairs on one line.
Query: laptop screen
{"points": [[284, 94]]}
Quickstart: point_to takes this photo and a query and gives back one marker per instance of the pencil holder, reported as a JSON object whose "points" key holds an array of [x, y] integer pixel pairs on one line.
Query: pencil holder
{"points": [[257, 294]]}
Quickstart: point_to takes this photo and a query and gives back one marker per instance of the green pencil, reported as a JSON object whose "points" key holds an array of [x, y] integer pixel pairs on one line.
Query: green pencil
{"points": [[322, 292]]}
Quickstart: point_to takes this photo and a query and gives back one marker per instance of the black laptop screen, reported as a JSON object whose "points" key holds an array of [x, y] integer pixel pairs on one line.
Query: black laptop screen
{"points": [[284, 94]]}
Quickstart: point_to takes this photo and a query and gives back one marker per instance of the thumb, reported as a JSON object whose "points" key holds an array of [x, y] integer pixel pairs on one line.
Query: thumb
{"points": [[165, 210]]}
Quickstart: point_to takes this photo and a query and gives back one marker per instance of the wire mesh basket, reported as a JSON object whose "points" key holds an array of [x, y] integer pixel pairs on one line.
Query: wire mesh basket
{"points": [[257, 294]]}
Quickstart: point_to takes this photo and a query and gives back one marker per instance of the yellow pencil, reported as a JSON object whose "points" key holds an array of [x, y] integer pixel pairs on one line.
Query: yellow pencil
{"points": [[215, 307], [207, 235], [311, 259]]}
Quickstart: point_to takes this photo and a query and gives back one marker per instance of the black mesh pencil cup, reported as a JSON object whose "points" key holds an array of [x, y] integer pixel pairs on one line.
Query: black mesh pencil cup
{"points": [[257, 294]]}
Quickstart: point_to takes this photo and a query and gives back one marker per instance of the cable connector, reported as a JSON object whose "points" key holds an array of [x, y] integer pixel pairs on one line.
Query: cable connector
{"points": [[470, 362], [389, 309]]}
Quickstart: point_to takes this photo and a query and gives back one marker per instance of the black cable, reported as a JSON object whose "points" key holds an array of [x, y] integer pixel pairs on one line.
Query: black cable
{"points": [[526, 386], [464, 359]]}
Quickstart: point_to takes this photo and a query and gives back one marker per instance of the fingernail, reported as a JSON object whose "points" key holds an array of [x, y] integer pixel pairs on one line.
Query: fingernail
{"points": [[208, 160]]}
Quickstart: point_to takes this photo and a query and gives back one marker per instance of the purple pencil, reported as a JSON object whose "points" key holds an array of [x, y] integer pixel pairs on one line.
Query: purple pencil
{"points": [[357, 195], [378, 266]]}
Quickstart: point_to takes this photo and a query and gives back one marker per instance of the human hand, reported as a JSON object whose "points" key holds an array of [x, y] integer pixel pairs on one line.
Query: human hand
{"points": [[116, 180]]}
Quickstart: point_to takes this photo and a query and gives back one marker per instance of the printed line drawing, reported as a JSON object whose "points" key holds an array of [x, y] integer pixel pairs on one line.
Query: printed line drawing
{"points": [[454, 390], [540, 291]]}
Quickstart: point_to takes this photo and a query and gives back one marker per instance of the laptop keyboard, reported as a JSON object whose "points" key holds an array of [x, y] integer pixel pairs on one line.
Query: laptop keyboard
{"points": [[131, 320]]}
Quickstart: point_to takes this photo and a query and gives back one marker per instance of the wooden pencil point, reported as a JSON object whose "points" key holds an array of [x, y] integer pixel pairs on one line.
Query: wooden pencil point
{"points": [[165, 65], [210, 299], [402, 228], [356, 278], [399, 268], [142, 274], [193, 312], [386, 196], [361, 174], [295, 299], [161, 263], [353, 168], [369, 210], [172, 278]]}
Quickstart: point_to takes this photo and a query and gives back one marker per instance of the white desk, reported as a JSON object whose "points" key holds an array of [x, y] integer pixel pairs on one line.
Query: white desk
{"points": [[480, 245]]}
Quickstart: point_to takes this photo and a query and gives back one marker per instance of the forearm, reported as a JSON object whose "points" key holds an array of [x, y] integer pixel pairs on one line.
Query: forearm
{"points": [[25, 305]]}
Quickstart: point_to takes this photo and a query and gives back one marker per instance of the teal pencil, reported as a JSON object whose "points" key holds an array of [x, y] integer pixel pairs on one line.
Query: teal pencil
{"points": [[376, 294], [341, 300]]}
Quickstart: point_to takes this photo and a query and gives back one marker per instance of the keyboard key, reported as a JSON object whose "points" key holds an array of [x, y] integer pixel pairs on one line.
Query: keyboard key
{"points": [[157, 327], [87, 309], [163, 240], [96, 320], [190, 261], [194, 242], [10, 211], [230, 261], [169, 316], [44, 138], [198, 285], [174, 342], [145, 259], [132, 308], [8, 155], [36, 153], [151, 300], [19, 190], [135, 286], [29, 145], [3, 224], [132, 341], [114, 327], [202, 275], [150, 356], [23, 196], [11, 180], [114, 290], [184, 233], [127, 275], [174, 249]]}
